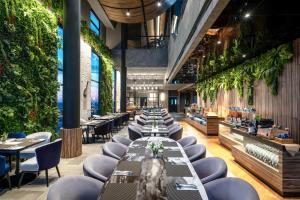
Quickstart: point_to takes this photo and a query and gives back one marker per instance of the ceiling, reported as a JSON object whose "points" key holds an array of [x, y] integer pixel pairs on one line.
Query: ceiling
{"points": [[116, 9]]}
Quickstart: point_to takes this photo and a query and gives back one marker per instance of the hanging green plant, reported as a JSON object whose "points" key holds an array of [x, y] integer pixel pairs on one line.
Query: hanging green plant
{"points": [[267, 67]]}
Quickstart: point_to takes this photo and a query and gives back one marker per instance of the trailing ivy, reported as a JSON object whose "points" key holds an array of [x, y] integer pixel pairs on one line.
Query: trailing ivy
{"points": [[268, 67], [107, 66], [28, 67]]}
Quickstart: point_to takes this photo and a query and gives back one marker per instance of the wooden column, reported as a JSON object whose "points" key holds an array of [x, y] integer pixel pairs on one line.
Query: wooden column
{"points": [[71, 142]]}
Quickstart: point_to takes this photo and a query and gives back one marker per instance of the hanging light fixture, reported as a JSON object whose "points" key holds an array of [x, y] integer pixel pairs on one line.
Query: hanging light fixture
{"points": [[127, 13]]}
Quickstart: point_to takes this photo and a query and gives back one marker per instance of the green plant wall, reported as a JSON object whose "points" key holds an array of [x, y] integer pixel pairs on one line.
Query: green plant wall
{"points": [[220, 72], [28, 67]]}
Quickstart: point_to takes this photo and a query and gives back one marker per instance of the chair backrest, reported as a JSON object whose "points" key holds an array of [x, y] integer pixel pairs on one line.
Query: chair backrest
{"points": [[187, 141], [134, 133], [99, 167], [141, 121], [114, 150], [176, 133], [195, 152], [2, 165], [209, 169], [101, 129], [41, 135], [48, 155], [230, 188], [75, 187], [121, 140], [16, 135], [169, 122]]}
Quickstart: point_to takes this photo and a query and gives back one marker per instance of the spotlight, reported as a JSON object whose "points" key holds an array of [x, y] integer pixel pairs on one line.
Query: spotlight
{"points": [[127, 13], [244, 55], [203, 56], [158, 4], [219, 42], [247, 15]]}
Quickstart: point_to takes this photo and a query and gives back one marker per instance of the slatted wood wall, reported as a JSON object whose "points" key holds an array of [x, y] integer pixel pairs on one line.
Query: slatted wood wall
{"points": [[284, 108]]}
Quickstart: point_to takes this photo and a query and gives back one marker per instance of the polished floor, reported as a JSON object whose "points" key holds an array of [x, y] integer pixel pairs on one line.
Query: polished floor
{"points": [[37, 190]]}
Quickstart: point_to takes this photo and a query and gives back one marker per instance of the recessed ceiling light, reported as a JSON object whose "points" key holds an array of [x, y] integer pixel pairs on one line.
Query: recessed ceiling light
{"points": [[203, 56], [247, 15], [219, 42], [158, 4], [244, 55], [127, 13]]}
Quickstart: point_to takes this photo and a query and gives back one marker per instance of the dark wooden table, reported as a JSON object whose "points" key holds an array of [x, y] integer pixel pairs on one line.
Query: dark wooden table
{"points": [[91, 125], [139, 176], [15, 146]]}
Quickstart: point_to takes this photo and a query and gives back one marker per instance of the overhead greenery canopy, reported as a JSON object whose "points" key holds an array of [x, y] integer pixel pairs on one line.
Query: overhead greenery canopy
{"points": [[222, 72], [28, 67]]}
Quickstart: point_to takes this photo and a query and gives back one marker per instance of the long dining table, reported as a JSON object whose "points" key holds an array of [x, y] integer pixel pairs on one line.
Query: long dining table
{"points": [[140, 176]]}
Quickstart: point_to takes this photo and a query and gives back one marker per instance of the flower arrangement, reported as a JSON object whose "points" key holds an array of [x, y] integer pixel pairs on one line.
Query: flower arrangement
{"points": [[156, 147]]}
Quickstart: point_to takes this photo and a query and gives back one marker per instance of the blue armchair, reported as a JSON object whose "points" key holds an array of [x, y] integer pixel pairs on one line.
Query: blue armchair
{"points": [[47, 157], [4, 169]]}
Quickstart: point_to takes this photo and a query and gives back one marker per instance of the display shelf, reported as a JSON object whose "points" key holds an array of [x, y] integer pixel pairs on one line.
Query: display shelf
{"points": [[282, 175]]}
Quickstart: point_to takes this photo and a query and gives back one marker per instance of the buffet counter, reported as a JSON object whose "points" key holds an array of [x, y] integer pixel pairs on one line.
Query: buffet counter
{"points": [[278, 165], [206, 124]]}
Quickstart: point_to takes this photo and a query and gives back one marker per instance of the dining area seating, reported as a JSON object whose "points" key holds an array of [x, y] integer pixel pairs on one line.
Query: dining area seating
{"points": [[124, 170]]}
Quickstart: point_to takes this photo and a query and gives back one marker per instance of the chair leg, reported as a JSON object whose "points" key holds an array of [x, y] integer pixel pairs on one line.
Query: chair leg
{"points": [[8, 180], [57, 171], [47, 181], [9, 161], [20, 180]]}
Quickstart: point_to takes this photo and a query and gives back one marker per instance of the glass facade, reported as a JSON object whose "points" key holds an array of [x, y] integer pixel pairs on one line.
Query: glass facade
{"points": [[60, 57], [95, 82], [94, 23]]}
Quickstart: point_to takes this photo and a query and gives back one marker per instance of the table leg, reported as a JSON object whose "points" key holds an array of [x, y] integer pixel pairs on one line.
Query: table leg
{"points": [[87, 134], [17, 163]]}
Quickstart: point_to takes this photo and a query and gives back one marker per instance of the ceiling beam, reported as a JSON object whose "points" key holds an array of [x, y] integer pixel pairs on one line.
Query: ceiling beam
{"points": [[145, 23]]}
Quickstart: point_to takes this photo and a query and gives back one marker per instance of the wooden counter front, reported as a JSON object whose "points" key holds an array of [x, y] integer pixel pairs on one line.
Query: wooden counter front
{"points": [[211, 127]]}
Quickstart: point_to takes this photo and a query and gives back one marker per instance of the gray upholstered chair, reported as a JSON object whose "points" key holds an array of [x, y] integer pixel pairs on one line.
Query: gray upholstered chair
{"points": [[47, 157], [114, 150], [230, 188], [176, 133], [134, 133], [99, 167], [166, 117], [169, 122], [30, 152], [144, 117], [195, 152], [209, 169], [187, 141], [140, 121], [75, 188], [121, 140]]}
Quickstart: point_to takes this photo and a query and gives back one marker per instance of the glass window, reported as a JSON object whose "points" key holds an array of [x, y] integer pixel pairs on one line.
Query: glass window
{"points": [[114, 90], [95, 23], [95, 82], [60, 57]]}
